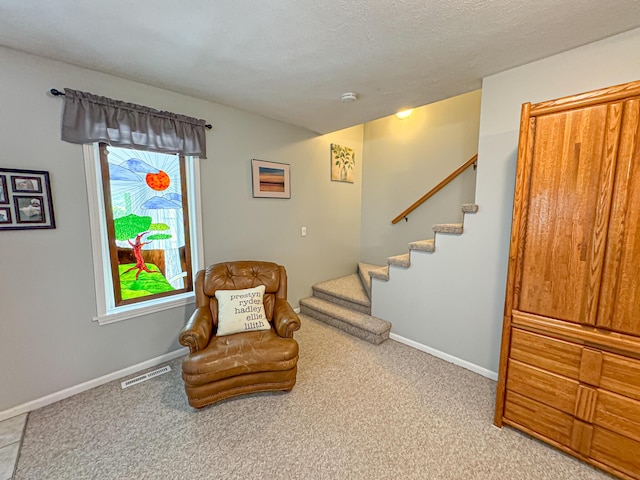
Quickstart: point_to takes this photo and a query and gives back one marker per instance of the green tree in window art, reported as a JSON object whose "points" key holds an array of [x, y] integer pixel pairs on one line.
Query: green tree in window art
{"points": [[134, 227]]}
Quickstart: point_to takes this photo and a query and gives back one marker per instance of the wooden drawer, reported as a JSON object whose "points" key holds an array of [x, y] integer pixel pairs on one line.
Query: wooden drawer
{"points": [[537, 417], [545, 352], [619, 414], [621, 375], [589, 365], [545, 387], [612, 451], [616, 451]]}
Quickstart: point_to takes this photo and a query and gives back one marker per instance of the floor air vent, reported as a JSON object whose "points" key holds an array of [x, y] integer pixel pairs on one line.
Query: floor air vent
{"points": [[146, 376]]}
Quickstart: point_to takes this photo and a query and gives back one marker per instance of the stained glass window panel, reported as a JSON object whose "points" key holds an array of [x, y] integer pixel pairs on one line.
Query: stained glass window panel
{"points": [[147, 220]]}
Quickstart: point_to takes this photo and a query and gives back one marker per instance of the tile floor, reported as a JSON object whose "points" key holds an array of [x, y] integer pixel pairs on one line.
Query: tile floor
{"points": [[11, 431]]}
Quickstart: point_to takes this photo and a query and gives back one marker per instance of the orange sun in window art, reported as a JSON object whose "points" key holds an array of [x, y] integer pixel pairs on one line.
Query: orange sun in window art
{"points": [[158, 181]]}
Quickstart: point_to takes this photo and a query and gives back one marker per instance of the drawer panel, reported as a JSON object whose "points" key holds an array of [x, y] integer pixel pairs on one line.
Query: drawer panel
{"points": [[547, 421], [617, 451], [621, 375], [619, 414], [590, 365], [545, 387], [580, 334], [547, 353]]}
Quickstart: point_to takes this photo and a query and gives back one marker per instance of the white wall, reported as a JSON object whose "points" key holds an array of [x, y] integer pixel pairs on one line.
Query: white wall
{"points": [[404, 159], [47, 339], [468, 297]]}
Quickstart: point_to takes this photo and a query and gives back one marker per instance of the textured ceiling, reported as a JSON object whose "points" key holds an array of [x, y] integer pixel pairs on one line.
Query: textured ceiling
{"points": [[292, 59]]}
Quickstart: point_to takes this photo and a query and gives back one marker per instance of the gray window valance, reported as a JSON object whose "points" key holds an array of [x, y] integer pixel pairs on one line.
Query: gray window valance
{"points": [[88, 118]]}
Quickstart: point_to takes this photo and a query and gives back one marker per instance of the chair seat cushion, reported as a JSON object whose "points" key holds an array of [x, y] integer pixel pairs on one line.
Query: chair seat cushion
{"points": [[239, 354]]}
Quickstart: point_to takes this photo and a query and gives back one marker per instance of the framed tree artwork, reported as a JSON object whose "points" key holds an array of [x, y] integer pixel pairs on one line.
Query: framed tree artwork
{"points": [[343, 163]]}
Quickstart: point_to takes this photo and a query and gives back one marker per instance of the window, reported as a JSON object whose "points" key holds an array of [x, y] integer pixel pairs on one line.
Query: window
{"points": [[144, 201], [144, 211]]}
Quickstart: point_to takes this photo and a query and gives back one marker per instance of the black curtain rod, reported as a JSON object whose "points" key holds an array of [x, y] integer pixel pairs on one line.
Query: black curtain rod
{"points": [[56, 93]]}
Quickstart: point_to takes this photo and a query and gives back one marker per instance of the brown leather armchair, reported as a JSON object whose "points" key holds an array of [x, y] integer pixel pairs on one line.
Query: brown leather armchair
{"points": [[256, 361]]}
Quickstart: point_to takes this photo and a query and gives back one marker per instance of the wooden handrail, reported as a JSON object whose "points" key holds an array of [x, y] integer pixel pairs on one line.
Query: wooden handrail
{"points": [[436, 189]]}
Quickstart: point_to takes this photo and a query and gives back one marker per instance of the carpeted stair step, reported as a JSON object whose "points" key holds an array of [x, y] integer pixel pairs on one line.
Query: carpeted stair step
{"points": [[373, 330], [381, 273], [453, 228], [469, 208], [403, 260], [423, 245], [365, 278], [345, 291]]}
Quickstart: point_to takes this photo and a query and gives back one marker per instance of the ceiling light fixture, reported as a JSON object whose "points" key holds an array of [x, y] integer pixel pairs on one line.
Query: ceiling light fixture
{"points": [[348, 97], [402, 114]]}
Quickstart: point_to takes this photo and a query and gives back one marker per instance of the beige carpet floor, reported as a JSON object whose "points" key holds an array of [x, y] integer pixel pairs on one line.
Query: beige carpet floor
{"points": [[359, 411]]}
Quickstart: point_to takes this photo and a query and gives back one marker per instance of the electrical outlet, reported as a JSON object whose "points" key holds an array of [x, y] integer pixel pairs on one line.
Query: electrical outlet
{"points": [[303, 231]]}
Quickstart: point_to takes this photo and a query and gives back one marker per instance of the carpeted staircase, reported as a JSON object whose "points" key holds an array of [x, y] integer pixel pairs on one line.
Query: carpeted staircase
{"points": [[428, 246], [345, 302]]}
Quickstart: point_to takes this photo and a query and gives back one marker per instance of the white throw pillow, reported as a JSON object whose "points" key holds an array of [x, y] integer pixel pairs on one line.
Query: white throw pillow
{"points": [[241, 311]]}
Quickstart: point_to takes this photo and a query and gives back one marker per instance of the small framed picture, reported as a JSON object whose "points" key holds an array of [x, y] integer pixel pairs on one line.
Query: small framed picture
{"points": [[270, 179], [29, 209], [4, 195], [343, 163], [25, 200], [5, 215], [26, 184]]}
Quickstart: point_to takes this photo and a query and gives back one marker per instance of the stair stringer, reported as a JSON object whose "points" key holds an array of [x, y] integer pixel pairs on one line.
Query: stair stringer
{"points": [[426, 305]]}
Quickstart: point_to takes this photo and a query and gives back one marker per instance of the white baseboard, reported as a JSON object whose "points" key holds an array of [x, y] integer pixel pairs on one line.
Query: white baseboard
{"points": [[96, 382], [445, 356]]}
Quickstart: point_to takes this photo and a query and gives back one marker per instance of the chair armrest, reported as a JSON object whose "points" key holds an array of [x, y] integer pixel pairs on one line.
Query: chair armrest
{"points": [[197, 332], [285, 319]]}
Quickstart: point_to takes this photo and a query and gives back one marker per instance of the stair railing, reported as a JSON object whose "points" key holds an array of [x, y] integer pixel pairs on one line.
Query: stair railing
{"points": [[472, 161]]}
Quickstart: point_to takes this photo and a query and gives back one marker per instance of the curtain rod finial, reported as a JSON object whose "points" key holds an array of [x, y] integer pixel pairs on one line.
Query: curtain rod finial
{"points": [[55, 92]]}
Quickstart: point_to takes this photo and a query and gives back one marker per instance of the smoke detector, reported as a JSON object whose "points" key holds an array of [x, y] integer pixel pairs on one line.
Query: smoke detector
{"points": [[348, 97]]}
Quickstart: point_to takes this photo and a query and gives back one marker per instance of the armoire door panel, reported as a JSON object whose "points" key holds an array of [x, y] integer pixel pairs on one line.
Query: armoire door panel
{"points": [[619, 308], [569, 198]]}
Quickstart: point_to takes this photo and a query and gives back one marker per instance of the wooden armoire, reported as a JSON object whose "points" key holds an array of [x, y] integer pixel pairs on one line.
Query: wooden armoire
{"points": [[570, 360]]}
